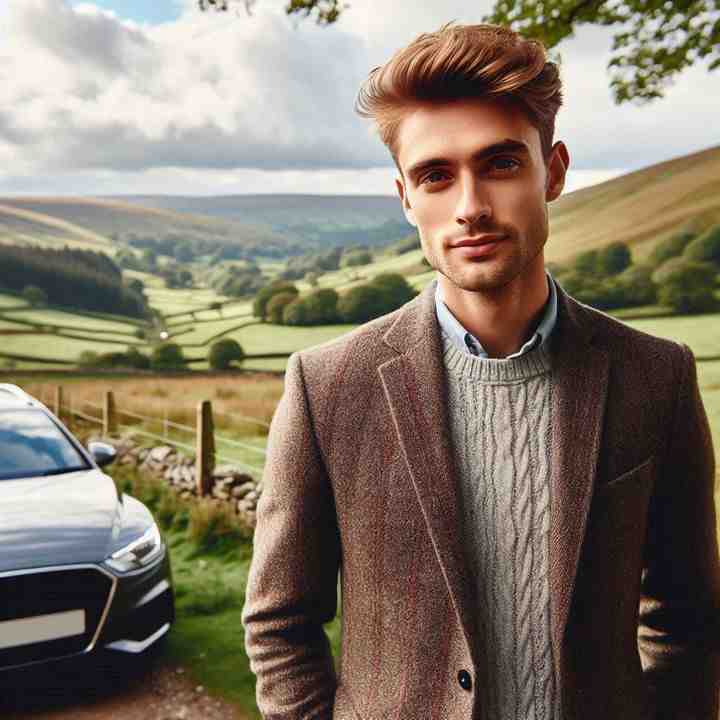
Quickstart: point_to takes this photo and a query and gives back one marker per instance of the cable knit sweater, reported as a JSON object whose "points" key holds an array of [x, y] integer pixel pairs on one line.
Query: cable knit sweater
{"points": [[499, 413]]}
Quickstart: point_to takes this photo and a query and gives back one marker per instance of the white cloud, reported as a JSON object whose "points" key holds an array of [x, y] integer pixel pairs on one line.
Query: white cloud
{"points": [[263, 103]]}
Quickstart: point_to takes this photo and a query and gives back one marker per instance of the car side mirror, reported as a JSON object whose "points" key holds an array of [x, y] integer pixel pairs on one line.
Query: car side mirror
{"points": [[102, 453]]}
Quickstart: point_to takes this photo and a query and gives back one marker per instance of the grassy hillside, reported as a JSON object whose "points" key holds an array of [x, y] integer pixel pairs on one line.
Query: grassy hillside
{"points": [[640, 208]]}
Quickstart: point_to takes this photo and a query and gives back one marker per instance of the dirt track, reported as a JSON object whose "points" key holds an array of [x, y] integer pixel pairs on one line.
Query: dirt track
{"points": [[110, 692]]}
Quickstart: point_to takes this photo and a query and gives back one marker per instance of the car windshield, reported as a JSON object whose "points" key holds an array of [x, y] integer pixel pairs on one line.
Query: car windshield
{"points": [[32, 445]]}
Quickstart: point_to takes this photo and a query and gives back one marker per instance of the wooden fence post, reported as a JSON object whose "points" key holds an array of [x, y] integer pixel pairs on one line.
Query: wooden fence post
{"points": [[205, 448], [109, 414], [58, 400]]}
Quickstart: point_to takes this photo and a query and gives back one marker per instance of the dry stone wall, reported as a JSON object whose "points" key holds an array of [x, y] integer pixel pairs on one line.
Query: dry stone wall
{"points": [[229, 483]]}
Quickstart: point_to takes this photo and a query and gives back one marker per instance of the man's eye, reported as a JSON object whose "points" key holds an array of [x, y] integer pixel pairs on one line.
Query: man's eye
{"points": [[433, 177], [505, 164]]}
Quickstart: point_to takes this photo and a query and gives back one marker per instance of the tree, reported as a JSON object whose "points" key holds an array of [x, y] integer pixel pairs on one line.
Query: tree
{"points": [[224, 352], [394, 288], [135, 285], [276, 305], [167, 356], [149, 260], [183, 252], [264, 294], [653, 42], [588, 263], [360, 304], [294, 313], [354, 258], [321, 307], [671, 247], [705, 247], [34, 295], [614, 258], [326, 12], [687, 286]]}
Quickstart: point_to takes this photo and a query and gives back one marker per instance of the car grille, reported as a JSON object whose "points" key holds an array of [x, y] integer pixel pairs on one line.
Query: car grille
{"points": [[27, 594]]}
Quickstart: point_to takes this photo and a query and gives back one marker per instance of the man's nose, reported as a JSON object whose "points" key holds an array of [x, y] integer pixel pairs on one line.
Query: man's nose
{"points": [[473, 204]]}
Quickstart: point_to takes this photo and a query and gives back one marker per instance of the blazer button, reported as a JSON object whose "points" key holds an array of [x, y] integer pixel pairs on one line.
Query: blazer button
{"points": [[465, 680]]}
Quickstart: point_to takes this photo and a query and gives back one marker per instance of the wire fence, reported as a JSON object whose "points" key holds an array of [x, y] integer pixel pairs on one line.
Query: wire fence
{"points": [[112, 416]]}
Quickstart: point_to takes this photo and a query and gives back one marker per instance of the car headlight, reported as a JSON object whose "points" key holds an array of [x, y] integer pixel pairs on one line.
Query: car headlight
{"points": [[138, 553]]}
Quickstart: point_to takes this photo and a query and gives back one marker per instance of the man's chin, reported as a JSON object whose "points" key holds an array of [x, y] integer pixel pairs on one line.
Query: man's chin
{"points": [[478, 282]]}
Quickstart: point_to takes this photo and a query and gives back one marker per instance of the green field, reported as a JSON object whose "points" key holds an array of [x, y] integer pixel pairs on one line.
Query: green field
{"points": [[169, 301], [11, 301], [59, 318], [700, 332], [203, 332], [267, 338]]}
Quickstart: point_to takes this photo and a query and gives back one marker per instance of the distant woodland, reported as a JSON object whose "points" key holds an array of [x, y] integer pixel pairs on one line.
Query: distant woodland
{"points": [[72, 278]]}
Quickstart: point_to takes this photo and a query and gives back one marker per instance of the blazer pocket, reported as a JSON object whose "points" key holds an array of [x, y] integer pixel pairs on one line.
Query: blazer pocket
{"points": [[637, 476]]}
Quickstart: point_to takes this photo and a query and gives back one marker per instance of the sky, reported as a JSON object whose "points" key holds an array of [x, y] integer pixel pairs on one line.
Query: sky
{"points": [[154, 97]]}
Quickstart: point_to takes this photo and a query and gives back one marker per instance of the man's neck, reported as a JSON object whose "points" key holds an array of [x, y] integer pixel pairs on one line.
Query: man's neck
{"points": [[502, 319]]}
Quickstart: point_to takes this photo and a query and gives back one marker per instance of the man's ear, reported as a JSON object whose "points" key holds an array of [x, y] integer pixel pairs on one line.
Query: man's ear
{"points": [[556, 170], [409, 213]]}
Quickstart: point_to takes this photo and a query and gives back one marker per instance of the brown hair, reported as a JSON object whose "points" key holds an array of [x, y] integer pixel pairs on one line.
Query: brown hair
{"points": [[461, 62]]}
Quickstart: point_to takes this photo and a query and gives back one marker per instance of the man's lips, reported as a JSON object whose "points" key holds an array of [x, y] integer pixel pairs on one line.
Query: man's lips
{"points": [[479, 240]]}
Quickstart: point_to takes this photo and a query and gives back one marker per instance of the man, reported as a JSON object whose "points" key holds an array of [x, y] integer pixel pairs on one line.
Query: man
{"points": [[517, 489]]}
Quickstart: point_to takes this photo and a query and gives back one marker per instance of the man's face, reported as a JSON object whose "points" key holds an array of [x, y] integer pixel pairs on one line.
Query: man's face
{"points": [[473, 171]]}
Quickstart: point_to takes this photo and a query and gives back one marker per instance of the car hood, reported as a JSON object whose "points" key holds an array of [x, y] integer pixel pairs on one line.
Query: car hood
{"points": [[57, 520]]}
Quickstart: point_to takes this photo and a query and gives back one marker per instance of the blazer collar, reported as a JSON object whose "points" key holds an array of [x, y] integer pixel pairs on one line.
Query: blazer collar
{"points": [[417, 321], [414, 386]]}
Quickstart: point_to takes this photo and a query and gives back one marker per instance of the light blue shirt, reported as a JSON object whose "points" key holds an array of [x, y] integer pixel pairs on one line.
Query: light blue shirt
{"points": [[470, 344]]}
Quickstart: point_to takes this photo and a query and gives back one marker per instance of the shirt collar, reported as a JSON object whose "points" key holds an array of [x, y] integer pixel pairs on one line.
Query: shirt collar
{"points": [[470, 344]]}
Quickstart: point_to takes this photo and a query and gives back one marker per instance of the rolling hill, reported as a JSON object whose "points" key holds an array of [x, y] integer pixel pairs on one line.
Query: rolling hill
{"points": [[640, 208]]}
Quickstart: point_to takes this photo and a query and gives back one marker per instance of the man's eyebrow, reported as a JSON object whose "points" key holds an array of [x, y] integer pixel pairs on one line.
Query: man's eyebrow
{"points": [[494, 149]]}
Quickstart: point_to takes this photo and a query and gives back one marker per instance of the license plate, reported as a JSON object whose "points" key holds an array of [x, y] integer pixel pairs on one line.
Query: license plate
{"points": [[41, 628]]}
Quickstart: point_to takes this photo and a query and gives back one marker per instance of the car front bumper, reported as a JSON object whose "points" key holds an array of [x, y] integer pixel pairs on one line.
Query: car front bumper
{"points": [[121, 613]]}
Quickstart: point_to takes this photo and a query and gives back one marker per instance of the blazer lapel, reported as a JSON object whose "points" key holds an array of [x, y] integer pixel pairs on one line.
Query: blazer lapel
{"points": [[580, 371], [414, 385]]}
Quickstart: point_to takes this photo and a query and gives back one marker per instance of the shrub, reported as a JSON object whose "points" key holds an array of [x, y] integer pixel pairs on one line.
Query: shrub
{"points": [[276, 305], [131, 358], [294, 313], [355, 258], [705, 247], [395, 289], [385, 293], [321, 307], [687, 286], [167, 356], [212, 524], [360, 304], [671, 247], [223, 353], [263, 297], [614, 258], [588, 263], [34, 295]]}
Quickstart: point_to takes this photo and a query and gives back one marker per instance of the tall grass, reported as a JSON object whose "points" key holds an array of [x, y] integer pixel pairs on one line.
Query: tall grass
{"points": [[176, 398]]}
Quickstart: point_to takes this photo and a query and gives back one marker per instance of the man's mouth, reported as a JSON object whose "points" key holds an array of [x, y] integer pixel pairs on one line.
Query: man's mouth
{"points": [[479, 240]]}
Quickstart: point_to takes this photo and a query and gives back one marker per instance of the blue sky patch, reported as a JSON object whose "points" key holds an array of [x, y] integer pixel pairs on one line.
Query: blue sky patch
{"points": [[151, 11]]}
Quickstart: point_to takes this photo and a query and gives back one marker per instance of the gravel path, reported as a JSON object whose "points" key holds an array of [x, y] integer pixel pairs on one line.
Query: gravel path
{"points": [[151, 691]]}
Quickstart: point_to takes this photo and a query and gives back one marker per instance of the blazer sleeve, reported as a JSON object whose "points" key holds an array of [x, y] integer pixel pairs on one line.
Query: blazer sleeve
{"points": [[678, 635], [292, 583]]}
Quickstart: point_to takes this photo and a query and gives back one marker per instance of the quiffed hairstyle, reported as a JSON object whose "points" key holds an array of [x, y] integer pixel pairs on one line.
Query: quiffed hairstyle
{"points": [[462, 62]]}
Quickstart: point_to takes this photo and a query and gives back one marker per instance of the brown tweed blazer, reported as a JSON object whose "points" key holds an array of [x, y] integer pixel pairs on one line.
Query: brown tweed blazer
{"points": [[359, 478]]}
